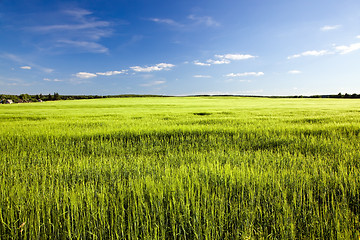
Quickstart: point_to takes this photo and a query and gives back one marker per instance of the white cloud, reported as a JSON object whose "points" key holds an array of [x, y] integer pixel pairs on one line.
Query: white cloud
{"points": [[206, 20], [85, 75], [166, 21], [110, 73], [245, 74], [157, 67], [347, 49], [235, 56], [315, 53], [220, 61], [84, 45], [71, 27], [202, 76], [201, 63], [78, 13], [52, 80], [294, 72], [26, 67], [358, 36], [195, 20], [224, 59], [343, 49], [154, 83], [82, 22], [330, 27], [80, 30], [311, 53]]}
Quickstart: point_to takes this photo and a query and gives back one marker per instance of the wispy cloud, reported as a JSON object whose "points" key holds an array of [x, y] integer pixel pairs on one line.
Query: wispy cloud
{"points": [[330, 27], [196, 62], [52, 80], [347, 49], [311, 53], [219, 61], [15, 82], [21, 60], [154, 83], [245, 74], [81, 21], [78, 13], [157, 67], [358, 36], [235, 56], [76, 29], [85, 46], [343, 49], [26, 67], [192, 21], [110, 73], [224, 59], [85, 75], [294, 72], [71, 27], [202, 76], [204, 20], [166, 21]]}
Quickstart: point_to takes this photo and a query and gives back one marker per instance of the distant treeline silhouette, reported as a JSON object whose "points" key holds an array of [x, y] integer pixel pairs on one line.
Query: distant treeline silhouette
{"points": [[24, 98]]}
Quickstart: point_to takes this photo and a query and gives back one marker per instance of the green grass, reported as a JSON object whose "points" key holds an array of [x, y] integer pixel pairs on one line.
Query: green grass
{"points": [[180, 168]]}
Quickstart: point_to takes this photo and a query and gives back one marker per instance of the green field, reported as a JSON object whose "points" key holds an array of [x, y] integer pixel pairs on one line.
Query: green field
{"points": [[180, 168]]}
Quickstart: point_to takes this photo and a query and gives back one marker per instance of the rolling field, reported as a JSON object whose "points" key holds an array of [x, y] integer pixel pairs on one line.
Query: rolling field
{"points": [[180, 168]]}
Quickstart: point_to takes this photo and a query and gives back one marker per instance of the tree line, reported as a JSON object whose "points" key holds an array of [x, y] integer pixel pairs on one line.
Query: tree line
{"points": [[339, 95], [25, 98]]}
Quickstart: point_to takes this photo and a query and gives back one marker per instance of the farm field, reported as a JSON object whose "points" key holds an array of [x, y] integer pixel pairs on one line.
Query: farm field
{"points": [[180, 168]]}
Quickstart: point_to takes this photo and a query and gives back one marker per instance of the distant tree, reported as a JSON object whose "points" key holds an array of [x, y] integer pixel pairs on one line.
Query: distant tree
{"points": [[14, 98], [56, 96], [25, 97]]}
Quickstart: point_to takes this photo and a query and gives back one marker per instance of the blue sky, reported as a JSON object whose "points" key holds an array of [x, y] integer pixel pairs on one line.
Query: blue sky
{"points": [[246, 47]]}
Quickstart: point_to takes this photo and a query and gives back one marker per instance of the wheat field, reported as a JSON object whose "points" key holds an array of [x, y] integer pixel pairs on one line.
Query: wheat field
{"points": [[180, 168]]}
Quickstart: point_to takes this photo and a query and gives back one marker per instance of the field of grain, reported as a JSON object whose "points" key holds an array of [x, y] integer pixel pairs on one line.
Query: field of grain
{"points": [[180, 168]]}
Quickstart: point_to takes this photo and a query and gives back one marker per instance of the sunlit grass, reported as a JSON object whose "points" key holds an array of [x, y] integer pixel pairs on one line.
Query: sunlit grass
{"points": [[181, 168]]}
